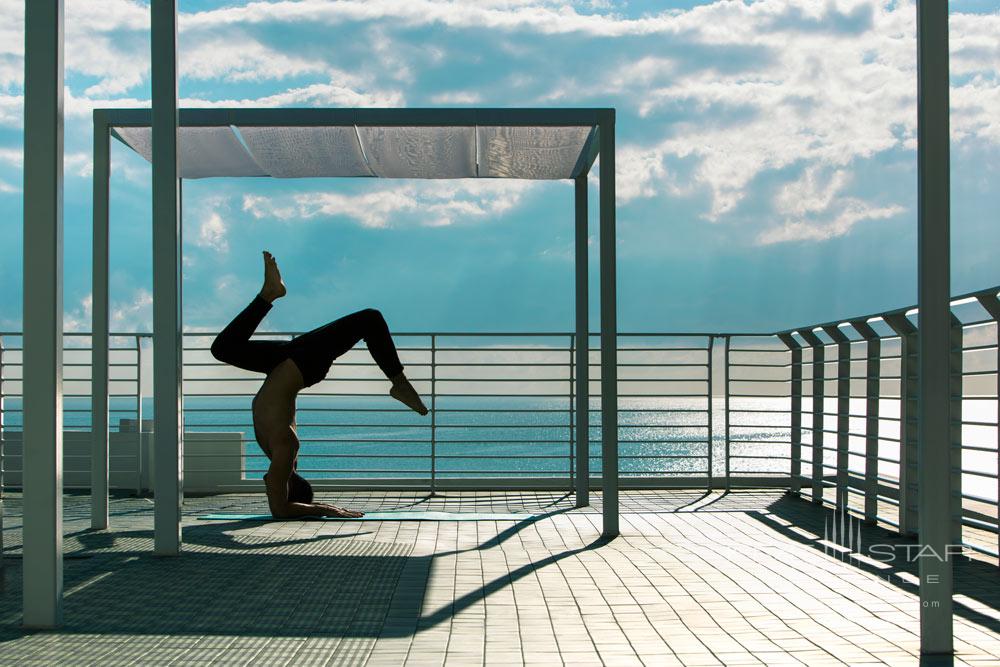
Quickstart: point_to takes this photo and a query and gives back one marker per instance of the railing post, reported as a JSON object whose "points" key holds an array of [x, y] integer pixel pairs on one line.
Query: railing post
{"points": [[843, 411], [957, 363], [795, 417], [711, 414], [873, 392], [433, 415], [992, 306], [138, 415], [908, 394], [725, 408], [582, 338], [818, 393], [572, 411]]}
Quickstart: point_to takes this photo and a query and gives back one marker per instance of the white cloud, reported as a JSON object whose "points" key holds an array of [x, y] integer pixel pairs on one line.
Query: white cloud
{"points": [[809, 194], [639, 172], [216, 57], [80, 164], [12, 156], [79, 318], [11, 110], [320, 94], [975, 109], [431, 204], [852, 211], [542, 17], [825, 85], [458, 97], [813, 208], [7, 188], [132, 314], [11, 70], [212, 233], [135, 314], [334, 94]]}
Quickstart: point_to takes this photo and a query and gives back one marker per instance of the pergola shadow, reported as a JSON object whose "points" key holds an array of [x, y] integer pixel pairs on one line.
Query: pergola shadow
{"points": [[327, 585]]}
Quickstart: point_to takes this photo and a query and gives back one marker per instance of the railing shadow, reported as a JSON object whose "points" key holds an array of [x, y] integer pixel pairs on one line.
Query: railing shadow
{"points": [[228, 585], [973, 578]]}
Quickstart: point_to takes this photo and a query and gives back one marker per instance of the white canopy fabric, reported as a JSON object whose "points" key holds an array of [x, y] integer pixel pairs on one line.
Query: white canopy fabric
{"points": [[442, 152]]}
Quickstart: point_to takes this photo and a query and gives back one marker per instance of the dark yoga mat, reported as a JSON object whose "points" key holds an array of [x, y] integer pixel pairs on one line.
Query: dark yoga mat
{"points": [[393, 515]]}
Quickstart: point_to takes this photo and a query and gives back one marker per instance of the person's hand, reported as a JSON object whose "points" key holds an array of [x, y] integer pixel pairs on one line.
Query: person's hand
{"points": [[333, 510]]}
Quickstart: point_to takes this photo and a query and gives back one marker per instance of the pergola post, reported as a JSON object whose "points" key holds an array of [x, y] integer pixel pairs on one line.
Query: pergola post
{"points": [[934, 333], [99, 341], [609, 328], [43, 314], [582, 392], [168, 446]]}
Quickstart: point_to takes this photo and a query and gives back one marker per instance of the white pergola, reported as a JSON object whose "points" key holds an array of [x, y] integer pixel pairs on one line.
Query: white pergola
{"points": [[532, 144], [43, 299]]}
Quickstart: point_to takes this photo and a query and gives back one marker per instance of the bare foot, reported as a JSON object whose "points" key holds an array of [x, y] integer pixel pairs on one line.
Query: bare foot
{"points": [[404, 392], [273, 287]]}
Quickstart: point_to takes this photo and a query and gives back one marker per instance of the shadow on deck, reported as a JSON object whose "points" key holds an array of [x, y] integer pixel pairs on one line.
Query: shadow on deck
{"points": [[669, 588]]}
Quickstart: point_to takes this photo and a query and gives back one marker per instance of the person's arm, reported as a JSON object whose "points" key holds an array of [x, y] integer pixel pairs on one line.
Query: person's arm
{"points": [[276, 481]]}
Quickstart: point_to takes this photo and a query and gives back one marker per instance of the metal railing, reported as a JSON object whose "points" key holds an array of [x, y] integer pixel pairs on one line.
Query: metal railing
{"points": [[853, 394], [825, 410], [503, 411]]}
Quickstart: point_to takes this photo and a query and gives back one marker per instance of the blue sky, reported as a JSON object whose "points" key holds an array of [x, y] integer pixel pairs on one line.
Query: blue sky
{"points": [[766, 160]]}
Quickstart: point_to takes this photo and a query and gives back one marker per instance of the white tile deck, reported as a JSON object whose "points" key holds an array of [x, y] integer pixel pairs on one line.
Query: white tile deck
{"points": [[694, 579]]}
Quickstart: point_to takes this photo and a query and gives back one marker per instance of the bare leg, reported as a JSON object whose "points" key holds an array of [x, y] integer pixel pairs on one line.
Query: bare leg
{"points": [[233, 345], [315, 351]]}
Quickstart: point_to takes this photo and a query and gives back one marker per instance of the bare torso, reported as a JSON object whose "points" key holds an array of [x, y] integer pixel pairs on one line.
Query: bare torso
{"points": [[273, 410]]}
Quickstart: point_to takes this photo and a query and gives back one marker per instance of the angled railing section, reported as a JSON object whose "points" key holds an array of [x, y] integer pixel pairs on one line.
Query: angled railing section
{"points": [[853, 392]]}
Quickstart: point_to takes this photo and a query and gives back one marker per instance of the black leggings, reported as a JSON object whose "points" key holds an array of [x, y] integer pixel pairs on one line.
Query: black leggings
{"points": [[312, 352]]}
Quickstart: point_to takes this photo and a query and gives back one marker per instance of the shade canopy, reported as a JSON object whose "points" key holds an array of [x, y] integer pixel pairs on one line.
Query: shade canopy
{"points": [[451, 147]]}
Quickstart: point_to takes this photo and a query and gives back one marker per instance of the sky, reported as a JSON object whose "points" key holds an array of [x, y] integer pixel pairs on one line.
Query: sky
{"points": [[766, 161]]}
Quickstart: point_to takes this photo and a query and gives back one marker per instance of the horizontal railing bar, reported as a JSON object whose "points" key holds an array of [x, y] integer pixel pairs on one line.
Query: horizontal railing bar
{"points": [[756, 380], [979, 499], [665, 410], [977, 473], [737, 441], [749, 456], [977, 448], [977, 348], [980, 525]]}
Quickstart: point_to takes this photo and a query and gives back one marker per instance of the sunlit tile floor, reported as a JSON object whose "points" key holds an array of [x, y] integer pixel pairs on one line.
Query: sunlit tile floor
{"points": [[694, 579]]}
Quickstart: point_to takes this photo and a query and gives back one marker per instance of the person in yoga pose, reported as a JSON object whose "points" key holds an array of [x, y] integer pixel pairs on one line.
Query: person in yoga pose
{"points": [[291, 366]]}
